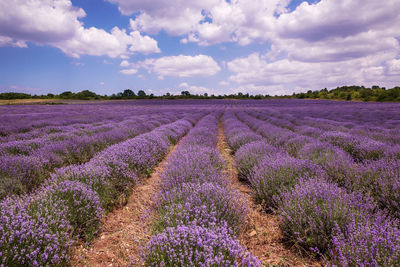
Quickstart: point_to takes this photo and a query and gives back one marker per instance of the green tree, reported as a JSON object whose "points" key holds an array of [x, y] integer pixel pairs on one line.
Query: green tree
{"points": [[141, 93], [185, 93], [128, 93], [85, 95], [66, 95], [14, 96]]}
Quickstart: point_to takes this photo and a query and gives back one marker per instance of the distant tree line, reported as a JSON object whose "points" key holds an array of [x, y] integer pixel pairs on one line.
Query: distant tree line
{"points": [[15, 96], [128, 94], [83, 95], [360, 93]]}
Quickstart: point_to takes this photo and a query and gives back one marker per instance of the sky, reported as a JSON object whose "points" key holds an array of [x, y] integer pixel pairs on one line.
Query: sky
{"points": [[270, 47]]}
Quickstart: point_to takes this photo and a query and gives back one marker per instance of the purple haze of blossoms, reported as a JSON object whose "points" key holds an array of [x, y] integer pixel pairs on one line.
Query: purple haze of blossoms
{"points": [[25, 164], [329, 223], [104, 150], [39, 228], [196, 246], [200, 215]]}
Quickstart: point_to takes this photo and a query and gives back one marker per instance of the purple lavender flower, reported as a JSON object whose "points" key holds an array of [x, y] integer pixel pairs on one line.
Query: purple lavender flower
{"points": [[30, 161], [314, 208], [374, 242], [68, 206], [381, 180], [337, 164], [196, 246], [199, 215], [248, 156], [195, 164], [31, 230], [81, 206], [273, 174], [207, 204]]}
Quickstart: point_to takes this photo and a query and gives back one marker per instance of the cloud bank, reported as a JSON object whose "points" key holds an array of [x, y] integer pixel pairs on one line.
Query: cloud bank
{"points": [[314, 45], [175, 66], [56, 23]]}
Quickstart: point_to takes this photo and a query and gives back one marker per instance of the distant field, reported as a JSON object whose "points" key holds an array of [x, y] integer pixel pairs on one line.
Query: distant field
{"points": [[250, 182], [51, 101], [26, 101]]}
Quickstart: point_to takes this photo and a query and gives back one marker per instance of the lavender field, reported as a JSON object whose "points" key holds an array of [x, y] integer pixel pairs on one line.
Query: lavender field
{"points": [[328, 171]]}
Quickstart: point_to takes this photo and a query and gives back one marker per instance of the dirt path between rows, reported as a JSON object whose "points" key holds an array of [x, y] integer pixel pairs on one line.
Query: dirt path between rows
{"points": [[261, 234], [125, 230]]}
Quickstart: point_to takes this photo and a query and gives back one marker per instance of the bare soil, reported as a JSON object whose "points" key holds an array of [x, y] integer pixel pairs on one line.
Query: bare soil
{"points": [[261, 235], [125, 230], [28, 101]]}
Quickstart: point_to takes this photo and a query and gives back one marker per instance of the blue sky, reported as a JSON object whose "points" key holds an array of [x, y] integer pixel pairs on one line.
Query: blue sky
{"points": [[210, 46]]}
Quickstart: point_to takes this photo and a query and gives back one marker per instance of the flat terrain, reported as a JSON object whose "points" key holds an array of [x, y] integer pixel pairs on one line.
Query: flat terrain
{"points": [[263, 183]]}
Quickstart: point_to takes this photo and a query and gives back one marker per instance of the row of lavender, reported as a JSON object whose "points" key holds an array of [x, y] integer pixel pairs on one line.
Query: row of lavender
{"points": [[356, 166], [374, 177], [361, 140], [97, 124], [31, 121], [381, 116], [316, 213], [25, 164], [199, 215], [38, 229]]}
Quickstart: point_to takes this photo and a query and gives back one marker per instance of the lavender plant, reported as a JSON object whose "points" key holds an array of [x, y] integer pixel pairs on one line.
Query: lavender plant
{"points": [[240, 139], [374, 242], [33, 233], [29, 162], [195, 164], [273, 174], [81, 205], [314, 208], [209, 205], [381, 180], [248, 156], [359, 147], [337, 164], [97, 175], [296, 143], [63, 210], [198, 215], [196, 246], [111, 148]]}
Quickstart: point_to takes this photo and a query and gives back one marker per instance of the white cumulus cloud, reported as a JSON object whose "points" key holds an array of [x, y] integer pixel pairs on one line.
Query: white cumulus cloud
{"points": [[194, 90], [326, 45], [178, 66], [124, 63], [393, 67], [206, 22], [56, 23], [7, 41], [129, 71], [256, 71]]}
